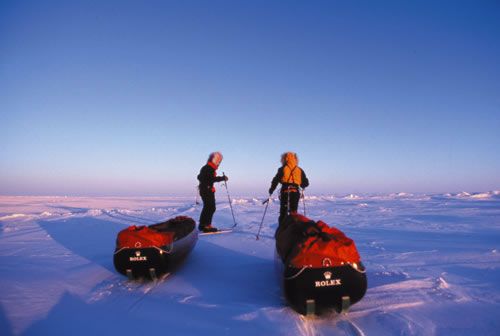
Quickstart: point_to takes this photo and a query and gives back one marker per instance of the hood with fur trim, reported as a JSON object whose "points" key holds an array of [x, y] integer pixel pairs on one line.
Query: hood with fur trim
{"points": [[215, 158]]}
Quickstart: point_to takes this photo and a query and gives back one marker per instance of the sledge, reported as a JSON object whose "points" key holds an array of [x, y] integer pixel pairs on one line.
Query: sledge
{"points": [[151, 251], [319, 266]]}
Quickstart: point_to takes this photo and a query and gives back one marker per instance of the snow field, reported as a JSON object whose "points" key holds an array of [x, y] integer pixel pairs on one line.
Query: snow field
{"points": [[432, 262]]}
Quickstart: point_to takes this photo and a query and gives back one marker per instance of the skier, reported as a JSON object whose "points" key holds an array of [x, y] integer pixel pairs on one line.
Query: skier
{"points": [[291, 177], [207, 178]]}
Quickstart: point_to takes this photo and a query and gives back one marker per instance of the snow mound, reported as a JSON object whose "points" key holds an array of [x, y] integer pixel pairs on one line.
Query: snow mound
{"points": [[14, 216], [401, 195], [239, 201], [94, 213], [479, 196], [487, 195], [352, 197], [312, 198]]}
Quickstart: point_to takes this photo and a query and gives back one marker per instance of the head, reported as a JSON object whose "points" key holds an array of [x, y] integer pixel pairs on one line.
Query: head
{"points": [[215, 158], [289, 158]]}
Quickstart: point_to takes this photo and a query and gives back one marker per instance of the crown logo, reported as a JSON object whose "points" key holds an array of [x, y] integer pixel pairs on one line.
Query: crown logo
{"points": [[137, 253], [328, 275]]}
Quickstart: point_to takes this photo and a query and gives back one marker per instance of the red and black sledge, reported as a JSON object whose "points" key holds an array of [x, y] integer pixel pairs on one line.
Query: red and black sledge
{"points": [[320, 266], [150, 251]]}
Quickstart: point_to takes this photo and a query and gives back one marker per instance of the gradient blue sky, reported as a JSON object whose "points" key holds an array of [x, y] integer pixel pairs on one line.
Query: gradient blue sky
{"points": [[129, 97]]}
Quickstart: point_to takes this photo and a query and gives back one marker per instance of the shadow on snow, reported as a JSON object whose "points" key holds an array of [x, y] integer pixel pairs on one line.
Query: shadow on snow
{"points": [[226, 293], [90, 238]]}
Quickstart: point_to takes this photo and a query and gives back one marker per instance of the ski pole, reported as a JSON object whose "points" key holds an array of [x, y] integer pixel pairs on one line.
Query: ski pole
{"points": [[287, 201], [304, 201], [264, 215], [229, 199], [196, 197]]}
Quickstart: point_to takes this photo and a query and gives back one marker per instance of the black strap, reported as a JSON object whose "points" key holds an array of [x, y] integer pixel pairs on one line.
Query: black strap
{"points": [[291, 174]]}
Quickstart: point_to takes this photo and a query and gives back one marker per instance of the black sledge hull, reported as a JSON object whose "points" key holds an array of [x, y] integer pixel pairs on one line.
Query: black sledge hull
{"points": [[324, 288], [153, 261]]}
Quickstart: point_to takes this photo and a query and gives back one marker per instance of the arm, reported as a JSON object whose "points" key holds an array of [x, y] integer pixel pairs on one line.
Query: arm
{"points": [[276, 180], [219, 178], [207, 177], [305, 181]]}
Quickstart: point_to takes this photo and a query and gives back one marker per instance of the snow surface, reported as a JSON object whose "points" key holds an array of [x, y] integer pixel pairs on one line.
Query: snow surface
{"points": [[432, 262]]}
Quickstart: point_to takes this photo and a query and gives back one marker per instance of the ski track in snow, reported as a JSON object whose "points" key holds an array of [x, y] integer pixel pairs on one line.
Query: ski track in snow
{"points": [[432, 263]]}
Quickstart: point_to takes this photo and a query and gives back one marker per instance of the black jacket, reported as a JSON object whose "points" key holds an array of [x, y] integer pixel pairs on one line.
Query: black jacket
{"points": [[279, 176], [207, 178]]}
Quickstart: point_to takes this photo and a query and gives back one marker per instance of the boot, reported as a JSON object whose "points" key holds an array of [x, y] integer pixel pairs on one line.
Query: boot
{"points": [[210, 228], [207, 228]]}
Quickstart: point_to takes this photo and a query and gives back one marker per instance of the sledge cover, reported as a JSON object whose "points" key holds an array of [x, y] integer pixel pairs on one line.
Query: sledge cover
{"points": [[301, 241], [155, 235]]}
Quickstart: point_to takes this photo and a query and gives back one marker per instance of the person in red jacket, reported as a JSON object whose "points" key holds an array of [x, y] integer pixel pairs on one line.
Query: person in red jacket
{"points": [[207, 177]]}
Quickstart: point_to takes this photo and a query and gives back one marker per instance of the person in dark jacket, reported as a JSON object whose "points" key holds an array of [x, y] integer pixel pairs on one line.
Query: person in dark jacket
{"points": [[291, 177], [207, 177]]}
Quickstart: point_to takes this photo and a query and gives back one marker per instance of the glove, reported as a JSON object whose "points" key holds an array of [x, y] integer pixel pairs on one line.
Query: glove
{"points": [[270, 191], [226, 178]]}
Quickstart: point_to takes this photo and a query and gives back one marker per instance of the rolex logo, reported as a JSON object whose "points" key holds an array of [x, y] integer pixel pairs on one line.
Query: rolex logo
{"points": [[328, 281], [138, 257]]}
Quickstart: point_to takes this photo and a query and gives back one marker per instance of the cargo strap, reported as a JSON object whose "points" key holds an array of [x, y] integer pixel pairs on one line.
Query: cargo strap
{"points": [[296, 274], [170, 248]]}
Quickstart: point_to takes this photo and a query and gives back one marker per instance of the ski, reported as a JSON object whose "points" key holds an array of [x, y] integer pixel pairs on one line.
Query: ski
{"points": [[216, 232]]}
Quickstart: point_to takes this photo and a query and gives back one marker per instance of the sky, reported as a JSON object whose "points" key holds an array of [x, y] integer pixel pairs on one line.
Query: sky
{"points": [[128, 98]]}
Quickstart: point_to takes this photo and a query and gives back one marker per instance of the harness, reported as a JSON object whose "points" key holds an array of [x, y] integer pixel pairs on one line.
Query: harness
{"points": [[290, 184], [291, 174], [290, 188]]}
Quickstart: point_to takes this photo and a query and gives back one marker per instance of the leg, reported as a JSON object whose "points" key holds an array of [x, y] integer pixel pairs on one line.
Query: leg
{"points": [[211, 209], [283, 207], [294, 201], [208, 209]]}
